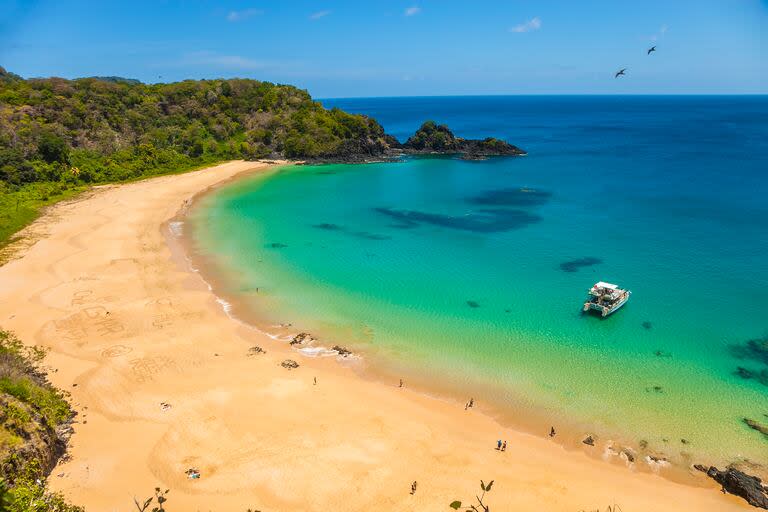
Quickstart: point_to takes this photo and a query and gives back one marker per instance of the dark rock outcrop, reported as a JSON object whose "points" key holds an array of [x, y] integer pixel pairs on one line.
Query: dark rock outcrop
{"points": [[342, 351], [433, 138], [430, 139], [741, 484], [300, 338]]}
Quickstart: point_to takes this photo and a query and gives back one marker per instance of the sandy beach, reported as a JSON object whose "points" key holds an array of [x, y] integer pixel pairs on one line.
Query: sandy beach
{"points": [[130, 327]]}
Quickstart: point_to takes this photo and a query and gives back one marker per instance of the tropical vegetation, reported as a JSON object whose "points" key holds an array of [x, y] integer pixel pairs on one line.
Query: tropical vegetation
{"points": [[34, 419], [57, 136]]}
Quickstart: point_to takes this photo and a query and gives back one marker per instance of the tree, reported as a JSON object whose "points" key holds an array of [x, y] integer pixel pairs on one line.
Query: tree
{"points": [[53, 148]]}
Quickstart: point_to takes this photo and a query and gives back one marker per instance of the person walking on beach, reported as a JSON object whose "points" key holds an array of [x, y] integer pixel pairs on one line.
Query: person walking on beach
{"points": [[471, 402], [498, 444], [552, 432], [401, 382], [504, 446], [315, 384], [413, 487]]}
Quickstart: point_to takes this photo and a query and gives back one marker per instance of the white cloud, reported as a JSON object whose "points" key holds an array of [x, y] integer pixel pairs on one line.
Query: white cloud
{"points": [[412, 11], [216, 60], [531, 24], [319, 14], [658, 35], [243, 15]]}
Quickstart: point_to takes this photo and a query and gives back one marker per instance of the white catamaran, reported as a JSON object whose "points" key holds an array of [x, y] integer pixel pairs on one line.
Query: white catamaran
{"points": [[606, 298]]}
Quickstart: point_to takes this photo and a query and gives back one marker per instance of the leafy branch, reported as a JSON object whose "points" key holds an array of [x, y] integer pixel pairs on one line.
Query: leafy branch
{"points": [[159, 497], [481, 506]]}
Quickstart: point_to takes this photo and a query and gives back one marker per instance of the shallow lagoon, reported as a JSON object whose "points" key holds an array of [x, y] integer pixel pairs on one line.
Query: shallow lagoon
{"points": [[469, 276]]}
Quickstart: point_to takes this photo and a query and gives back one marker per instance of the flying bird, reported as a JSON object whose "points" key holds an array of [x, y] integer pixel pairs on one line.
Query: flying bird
{"points": [[651, 49], [620, 73]]}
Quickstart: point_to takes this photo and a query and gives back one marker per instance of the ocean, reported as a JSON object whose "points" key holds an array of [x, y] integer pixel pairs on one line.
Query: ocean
{"points": [[467, 278]]}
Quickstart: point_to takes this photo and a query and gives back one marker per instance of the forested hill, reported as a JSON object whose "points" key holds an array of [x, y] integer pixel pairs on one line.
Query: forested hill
{"points": [[113, 129], [57, 136]]}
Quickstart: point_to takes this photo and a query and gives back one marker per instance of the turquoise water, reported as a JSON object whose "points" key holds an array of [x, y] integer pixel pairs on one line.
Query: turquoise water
{"points": [[469, 276]]}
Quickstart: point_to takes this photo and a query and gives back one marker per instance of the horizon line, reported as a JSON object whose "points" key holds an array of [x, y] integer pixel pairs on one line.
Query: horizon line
{"points": [[501, 95]]}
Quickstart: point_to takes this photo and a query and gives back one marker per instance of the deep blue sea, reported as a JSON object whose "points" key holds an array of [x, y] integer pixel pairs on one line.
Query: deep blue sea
{"points": [[470, 276]]}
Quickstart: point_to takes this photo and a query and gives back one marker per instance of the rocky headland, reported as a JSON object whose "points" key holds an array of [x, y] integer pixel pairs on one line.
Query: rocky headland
{"points": [[430, 139]]}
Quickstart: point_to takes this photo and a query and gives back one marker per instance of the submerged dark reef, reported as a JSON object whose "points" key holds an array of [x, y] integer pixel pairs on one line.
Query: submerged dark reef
{"points": [[755, 351], [575, 265], [351, 232], [480, 221], [517, 197], [505, 209]]}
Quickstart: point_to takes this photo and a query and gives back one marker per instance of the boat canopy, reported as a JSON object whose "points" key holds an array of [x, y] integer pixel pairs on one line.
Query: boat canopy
{"points": [[603, 284]]}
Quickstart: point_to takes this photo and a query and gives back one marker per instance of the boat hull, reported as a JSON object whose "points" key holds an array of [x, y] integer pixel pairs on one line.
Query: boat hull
{"points": [[607, 311]]}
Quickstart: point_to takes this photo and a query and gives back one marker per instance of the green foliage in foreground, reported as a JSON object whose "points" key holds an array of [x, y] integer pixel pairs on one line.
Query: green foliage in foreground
{"points": [[470, 507], [31, 409], [29, 495], [71, 133]]}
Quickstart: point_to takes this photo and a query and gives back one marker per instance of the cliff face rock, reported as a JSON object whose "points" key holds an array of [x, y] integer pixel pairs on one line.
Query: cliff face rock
{"points": [[32, 441], [741, 484], [438, 138]]}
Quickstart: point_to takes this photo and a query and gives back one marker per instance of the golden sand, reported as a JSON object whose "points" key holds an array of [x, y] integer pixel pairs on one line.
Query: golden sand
{"points": [[130, 327]]}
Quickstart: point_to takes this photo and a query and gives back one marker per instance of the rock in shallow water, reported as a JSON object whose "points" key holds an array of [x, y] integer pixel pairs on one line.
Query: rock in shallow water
{"points": [[763, 429], [741, 484], [342, 351]]}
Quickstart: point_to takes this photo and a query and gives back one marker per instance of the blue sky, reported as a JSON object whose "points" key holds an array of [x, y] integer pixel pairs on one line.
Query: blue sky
{"points": [[394, 48]]}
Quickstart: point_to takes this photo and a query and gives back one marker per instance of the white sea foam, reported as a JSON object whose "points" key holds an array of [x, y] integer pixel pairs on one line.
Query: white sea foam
{"points": [[317, 352], [226, 306], [656, 464], [176, 227]]}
